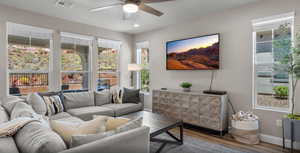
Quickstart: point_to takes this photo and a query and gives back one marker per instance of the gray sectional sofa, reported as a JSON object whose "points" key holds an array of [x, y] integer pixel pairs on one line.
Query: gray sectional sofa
{"points": [[79, 107], [86, 104]]}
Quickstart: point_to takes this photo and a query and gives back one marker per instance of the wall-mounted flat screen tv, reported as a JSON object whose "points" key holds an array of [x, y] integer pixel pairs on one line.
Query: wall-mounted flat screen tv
{"points": [[199, 53]]}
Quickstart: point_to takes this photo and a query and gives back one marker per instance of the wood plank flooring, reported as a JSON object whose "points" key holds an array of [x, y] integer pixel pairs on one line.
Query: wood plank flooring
{"points": [[229, 142]]}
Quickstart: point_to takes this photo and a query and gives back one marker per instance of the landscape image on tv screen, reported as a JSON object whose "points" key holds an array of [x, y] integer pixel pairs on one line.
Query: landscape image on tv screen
{"points": [[201, 53]]}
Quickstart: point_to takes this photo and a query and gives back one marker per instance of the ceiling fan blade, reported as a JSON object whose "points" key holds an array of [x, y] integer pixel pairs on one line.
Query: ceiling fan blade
{"points": [[105, 7], [150, 10], [155, 1]]}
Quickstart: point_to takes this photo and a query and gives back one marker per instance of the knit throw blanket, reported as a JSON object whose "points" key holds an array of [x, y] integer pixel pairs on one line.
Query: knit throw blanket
{"points": [[11, 127]]}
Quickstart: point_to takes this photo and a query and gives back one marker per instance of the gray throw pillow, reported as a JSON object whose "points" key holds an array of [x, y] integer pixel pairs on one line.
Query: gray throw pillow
{"points": [[131, 96], [102, 98], [22, 110], [78, 140], [37, 138], [37, 103]]}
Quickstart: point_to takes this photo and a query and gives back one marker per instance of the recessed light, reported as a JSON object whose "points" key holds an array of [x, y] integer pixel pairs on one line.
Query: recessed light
{"points": [[136, 25]]}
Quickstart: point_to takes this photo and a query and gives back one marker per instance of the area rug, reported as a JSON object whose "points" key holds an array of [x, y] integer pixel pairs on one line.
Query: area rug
{"points": [[192, 145]]}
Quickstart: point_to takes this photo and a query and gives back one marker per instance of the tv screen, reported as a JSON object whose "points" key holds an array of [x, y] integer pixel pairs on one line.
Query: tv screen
{"points": [[199, 53]]}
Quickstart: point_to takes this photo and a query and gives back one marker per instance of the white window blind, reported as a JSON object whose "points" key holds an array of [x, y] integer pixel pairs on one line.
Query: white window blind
{"points": [[105, 43], [28, 31]]}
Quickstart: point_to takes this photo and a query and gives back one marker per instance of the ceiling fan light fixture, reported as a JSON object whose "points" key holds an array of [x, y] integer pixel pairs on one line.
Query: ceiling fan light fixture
{"points": [[130, 8]]}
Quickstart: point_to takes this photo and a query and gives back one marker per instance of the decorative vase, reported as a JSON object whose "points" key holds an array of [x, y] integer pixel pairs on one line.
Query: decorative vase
{"points": [[187, 89], [291, 130]]}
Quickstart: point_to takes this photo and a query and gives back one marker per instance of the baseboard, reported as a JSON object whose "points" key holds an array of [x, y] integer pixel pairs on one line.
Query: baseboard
{"points": [[148, 109], [278, 141]]}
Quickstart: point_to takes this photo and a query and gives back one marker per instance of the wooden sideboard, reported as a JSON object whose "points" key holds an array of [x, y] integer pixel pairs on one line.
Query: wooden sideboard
{"points": [[195, 108]]}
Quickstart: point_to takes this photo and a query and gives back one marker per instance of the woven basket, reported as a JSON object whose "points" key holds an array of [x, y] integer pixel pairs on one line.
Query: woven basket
{"points": [[245, 131]]}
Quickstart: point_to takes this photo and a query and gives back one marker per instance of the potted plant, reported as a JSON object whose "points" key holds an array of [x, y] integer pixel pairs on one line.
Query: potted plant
{"points": [[291, 122], [186, 86], [281, 92]]}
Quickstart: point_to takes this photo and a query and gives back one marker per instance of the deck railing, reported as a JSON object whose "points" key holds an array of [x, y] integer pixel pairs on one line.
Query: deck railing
{"points": [[26, 82]]}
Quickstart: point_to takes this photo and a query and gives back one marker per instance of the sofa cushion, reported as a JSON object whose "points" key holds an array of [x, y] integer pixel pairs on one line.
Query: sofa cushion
{"points": [[86, 113], [3, 115], [102, 98], [131, 96], [22, 110], [37, 103], [8, 145], [78, 140], [67, 129], [60, 116], [123, 109], [81, 139], [113, 123], [133, 124], [38, 138], [78, 99]]}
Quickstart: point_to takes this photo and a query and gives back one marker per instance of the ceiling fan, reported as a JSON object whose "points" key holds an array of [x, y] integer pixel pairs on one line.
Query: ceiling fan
{"points": [[132, 6]]}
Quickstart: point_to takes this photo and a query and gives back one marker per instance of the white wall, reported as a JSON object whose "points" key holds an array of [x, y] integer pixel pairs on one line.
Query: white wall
{"points": [[235, 75], [8, 14]]}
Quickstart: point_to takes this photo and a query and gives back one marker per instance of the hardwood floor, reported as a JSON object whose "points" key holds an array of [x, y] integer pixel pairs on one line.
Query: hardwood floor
{"points": [[229, 142]]}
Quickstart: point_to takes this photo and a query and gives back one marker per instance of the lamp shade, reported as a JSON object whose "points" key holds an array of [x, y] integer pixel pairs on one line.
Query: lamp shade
{"points": [[134, 67]]}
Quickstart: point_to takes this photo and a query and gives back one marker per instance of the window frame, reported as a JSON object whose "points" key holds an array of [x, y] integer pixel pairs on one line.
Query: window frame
{"points": [[283, 18], [37, 30], [139, 47], [109, 44], [89, 62]]}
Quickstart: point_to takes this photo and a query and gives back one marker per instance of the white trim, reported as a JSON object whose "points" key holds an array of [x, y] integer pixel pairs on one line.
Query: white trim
{"points": [[110, 44], [278, 141], [148, 109], [143, 44], [77, 36], [267, 24], [274, 19], [94, 65]]}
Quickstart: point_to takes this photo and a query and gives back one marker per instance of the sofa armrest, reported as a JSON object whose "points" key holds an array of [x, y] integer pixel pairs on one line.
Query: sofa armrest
{"points": [[133, 141], [142, 100]]}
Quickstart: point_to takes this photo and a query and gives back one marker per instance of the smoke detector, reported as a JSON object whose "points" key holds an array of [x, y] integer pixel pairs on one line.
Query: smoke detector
{"points": [[64, 3]]}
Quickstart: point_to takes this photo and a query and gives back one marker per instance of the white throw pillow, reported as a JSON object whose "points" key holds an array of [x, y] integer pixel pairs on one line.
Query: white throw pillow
{"points": [[66, 129]]}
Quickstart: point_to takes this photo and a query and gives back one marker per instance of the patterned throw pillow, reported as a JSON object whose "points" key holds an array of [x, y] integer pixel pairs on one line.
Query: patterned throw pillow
{"points": [[117, 96], [54, 104]]}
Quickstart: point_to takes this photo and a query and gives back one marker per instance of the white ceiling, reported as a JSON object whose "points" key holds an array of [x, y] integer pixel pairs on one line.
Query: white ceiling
{"points": [[177, 11]]}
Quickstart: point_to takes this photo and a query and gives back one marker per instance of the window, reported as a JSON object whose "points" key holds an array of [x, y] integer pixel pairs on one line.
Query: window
{"points": [[143, 76], [29, 50], [108, 64], [268, 73], [75, 62]]}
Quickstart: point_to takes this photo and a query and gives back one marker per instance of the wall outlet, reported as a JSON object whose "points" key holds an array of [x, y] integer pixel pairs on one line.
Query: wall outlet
{"points": [[279, 123]]}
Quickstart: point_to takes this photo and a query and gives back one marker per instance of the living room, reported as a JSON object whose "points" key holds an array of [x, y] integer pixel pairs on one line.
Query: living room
{"points": [[108, 63]]}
